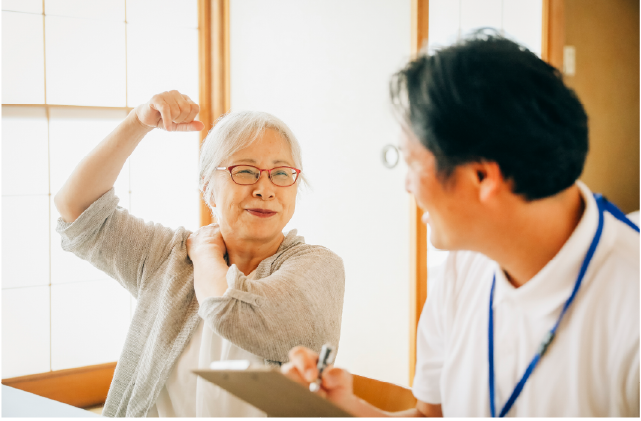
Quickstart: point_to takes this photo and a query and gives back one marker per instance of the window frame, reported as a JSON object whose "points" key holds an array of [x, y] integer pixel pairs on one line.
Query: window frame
{"points": [[87, 386]]}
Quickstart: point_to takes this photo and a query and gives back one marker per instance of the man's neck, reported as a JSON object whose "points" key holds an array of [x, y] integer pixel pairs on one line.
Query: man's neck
{"points": [[535, 233], [247, 255]]}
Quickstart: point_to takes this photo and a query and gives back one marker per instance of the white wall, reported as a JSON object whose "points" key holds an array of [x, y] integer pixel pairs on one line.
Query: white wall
{"points": [[323, 67]]}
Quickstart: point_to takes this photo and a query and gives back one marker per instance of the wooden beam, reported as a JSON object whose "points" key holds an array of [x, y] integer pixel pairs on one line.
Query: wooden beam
{"points": [[220, 58], [204, 84], [80, 387], [418, 277], [204, 64], [553, 33], [420, 24], [214, 71], [418, 230]]}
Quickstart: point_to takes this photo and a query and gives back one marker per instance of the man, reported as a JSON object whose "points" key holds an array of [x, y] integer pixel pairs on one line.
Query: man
{"points": [[537, 311]]}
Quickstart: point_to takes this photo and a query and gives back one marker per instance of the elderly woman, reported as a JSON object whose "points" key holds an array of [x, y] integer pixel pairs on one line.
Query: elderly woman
{"points": [[238, 289]]}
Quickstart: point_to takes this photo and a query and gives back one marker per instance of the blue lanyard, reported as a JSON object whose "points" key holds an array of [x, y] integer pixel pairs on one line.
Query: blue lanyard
{"points": [[603, 206]]}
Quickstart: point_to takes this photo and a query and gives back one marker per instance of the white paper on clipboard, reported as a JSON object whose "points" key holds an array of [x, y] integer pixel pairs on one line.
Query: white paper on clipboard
{"points": [[272, 392]]}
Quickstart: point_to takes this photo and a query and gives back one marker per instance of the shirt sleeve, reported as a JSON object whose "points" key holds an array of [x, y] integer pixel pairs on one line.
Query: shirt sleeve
{"points": [[430, 342], [119, 244], [625, 372], [301, 303], [631, 393]]}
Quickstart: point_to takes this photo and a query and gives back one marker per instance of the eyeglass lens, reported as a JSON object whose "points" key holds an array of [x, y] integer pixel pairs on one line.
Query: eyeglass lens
{"points": [[280, 176]]}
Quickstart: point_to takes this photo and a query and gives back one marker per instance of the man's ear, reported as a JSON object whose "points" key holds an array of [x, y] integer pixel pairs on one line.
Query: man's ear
{"points": [[489, 178]]}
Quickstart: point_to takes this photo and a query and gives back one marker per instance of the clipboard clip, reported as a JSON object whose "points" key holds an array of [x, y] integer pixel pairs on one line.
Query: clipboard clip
{"points": [[230, 365]]}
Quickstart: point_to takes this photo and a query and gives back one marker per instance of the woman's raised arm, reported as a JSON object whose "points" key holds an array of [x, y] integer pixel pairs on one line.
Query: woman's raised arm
{"points": [[98, 171]]}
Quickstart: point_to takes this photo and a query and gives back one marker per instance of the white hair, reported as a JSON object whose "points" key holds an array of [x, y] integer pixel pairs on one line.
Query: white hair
{"points": [[236, 131]]}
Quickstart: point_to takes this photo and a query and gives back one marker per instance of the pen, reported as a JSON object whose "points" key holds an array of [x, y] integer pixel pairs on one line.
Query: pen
{"points": [[325, 358]]}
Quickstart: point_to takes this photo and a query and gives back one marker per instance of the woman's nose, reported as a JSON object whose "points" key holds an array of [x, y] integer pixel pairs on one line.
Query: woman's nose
{"points": [[264, 187]]}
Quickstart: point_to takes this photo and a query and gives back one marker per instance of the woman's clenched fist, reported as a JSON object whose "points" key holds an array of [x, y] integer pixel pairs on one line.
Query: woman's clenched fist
{"points": [[171, 111]]}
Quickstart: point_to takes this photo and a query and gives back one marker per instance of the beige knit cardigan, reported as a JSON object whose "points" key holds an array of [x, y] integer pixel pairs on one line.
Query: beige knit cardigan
{"points": [[296, 298]]}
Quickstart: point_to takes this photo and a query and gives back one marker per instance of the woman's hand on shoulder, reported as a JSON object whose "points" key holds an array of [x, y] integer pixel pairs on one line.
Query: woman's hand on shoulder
{"points": [[206, 249], [171, 111], [206, 242]]}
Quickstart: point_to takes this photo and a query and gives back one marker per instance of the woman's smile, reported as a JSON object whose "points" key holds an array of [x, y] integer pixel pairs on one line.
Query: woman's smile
{"points": [[261, 213]]}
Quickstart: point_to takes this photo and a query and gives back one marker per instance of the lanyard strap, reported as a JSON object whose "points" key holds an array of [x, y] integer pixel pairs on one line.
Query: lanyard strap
{"points": [[614, 211], [603, 205]]}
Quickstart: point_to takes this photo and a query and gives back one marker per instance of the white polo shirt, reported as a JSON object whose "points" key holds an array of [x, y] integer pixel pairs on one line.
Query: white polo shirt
{"points": [[592, 366]]}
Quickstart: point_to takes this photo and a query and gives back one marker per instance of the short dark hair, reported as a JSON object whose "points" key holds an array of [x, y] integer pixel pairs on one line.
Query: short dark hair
{"points": [[489, 99]]}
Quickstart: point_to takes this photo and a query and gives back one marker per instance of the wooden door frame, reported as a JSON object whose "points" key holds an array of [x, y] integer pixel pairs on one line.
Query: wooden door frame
{"points": [[418, 230], [553, 34], [214, 92]]}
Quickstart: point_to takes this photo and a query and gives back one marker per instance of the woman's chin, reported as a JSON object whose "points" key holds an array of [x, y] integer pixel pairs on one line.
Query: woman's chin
{"points": [[255, 233]]}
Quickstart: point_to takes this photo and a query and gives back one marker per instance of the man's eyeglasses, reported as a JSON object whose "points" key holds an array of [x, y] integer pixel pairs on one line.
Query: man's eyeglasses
{"points": [[247, 174]]}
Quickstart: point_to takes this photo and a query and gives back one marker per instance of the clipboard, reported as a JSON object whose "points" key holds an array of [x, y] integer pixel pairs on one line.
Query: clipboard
{"points": [[272, 392]]}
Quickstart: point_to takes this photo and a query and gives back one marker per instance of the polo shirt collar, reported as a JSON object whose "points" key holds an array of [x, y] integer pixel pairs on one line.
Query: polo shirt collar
{"points": [[550, 288]]}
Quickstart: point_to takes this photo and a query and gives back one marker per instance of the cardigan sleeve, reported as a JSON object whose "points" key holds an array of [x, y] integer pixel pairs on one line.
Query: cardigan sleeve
{"points": [[301, 303], [121, 245]]}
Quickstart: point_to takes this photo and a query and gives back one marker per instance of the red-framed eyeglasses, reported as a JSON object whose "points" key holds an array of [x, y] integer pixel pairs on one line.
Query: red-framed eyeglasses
{"points": [[247, 174]]}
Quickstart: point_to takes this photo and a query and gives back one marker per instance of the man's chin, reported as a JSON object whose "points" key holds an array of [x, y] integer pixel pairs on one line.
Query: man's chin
{"points": [[437, 241]]}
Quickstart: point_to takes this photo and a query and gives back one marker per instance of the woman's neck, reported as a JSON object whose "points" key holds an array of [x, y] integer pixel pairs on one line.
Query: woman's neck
{"points": [[534, 233], [247, 255]]}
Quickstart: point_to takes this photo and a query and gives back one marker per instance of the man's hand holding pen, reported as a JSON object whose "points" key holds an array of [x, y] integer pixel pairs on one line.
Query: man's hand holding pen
{"points": [[336, 384]]}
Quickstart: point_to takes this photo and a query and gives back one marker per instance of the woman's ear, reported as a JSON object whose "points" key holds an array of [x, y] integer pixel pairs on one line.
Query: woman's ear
{"points": [[208, 197], [210, 201], [212, 208]]}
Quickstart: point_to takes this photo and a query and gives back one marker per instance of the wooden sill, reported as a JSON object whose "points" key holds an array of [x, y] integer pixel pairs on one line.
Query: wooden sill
{"points": [[81, 387], [87, 387], [383, 395]]}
